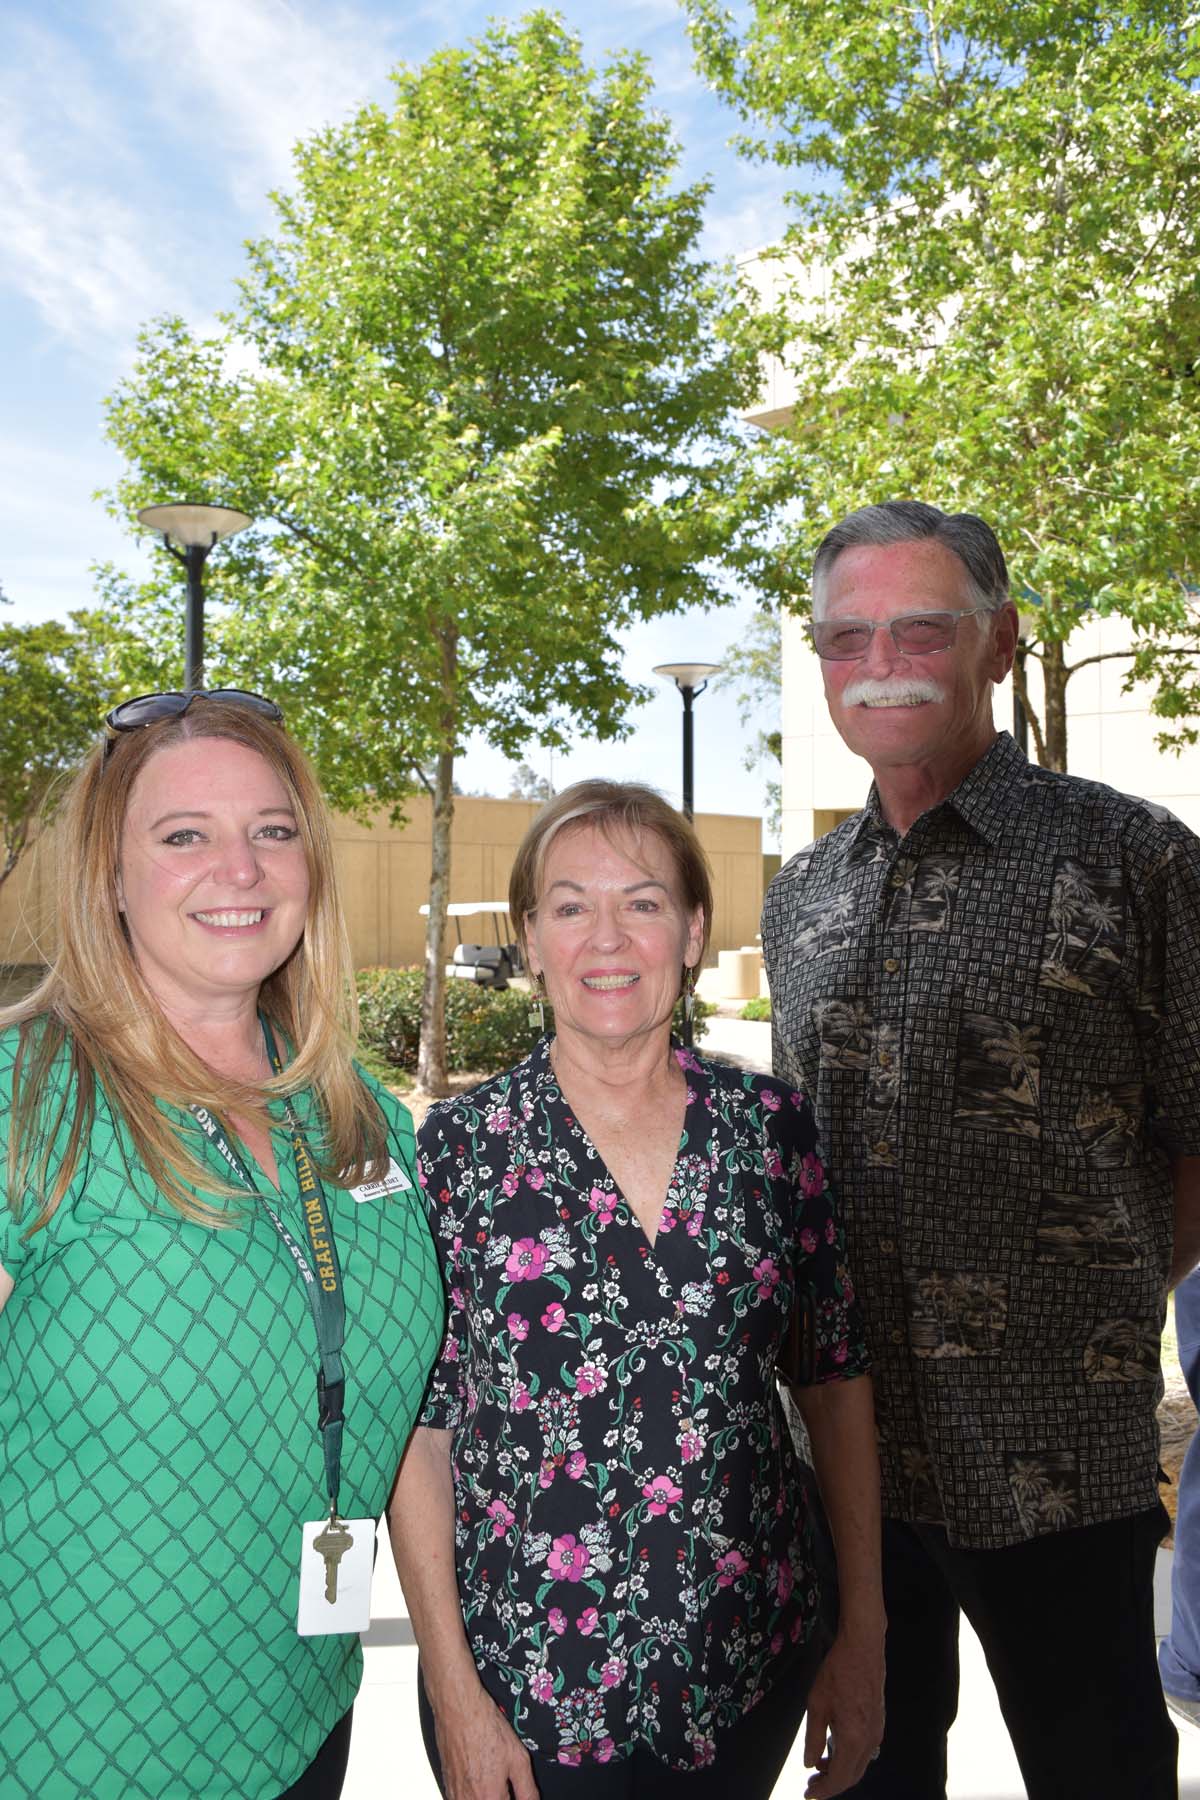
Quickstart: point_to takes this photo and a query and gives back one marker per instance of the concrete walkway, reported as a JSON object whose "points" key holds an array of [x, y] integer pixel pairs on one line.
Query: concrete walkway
{"points": [[387, 1760]]}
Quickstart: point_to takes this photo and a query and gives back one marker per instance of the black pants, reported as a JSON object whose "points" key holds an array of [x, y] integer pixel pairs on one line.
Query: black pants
{"points": [[323, 1778], [1067, 1625], [749, 1756]]}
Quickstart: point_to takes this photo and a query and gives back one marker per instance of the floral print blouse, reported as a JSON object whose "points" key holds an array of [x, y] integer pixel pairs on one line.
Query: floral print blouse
{"points": [[634, 1552]]}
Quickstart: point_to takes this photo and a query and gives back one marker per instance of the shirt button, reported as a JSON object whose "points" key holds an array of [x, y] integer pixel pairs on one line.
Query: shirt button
{"points": [[890, 964], [897, 1337], [884, 1060], [882, 1147], [898, 880], [888, 1246]]}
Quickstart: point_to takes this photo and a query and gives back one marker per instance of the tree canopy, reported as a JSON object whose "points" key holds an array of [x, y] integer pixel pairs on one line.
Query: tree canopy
{"points": [[993, 293], [478, 394]]}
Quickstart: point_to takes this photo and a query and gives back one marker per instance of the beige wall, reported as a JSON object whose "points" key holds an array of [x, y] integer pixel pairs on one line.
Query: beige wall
{"points": [[384, 872]]}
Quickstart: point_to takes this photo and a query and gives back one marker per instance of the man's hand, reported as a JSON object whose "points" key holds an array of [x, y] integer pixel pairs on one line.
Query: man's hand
{"points": [[844, 1722], [482, 1756]]}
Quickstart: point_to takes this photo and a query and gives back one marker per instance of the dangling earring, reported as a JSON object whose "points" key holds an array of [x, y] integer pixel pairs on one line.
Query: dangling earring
{"points": [[689, 994], [537, 1009]]}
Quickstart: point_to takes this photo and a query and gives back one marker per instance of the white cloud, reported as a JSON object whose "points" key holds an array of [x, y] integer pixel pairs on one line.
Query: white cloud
{"points": [[73, 245], [251, 77]]}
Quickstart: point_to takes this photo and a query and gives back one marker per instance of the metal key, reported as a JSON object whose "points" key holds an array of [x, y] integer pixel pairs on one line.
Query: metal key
{"points": [[332, 1543]]}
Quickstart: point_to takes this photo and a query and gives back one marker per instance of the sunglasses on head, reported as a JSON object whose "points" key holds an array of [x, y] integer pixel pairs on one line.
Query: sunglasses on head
{"points": [[152, 709]]}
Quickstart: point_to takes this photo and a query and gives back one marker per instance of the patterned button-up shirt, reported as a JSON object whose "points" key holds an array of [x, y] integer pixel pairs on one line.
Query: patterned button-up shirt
{"points": [[997, 1018], [635, 1557]]}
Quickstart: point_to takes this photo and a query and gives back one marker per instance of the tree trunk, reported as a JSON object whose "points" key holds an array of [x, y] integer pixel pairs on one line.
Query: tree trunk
{"points": [[431, 1057], [1054, 721]]}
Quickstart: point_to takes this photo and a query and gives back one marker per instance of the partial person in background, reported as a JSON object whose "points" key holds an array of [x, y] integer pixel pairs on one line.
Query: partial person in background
{"points": [[989, 982], [208, 1205], [1179, 1652], [601, 1524]]}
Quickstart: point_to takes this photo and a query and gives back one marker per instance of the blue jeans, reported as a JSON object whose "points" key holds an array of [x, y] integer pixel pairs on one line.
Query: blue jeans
{"points": [[1179, 1654]]}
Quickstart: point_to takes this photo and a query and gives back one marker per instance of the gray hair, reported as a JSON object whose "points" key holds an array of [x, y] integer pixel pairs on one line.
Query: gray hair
{"points": [[970, 538]]}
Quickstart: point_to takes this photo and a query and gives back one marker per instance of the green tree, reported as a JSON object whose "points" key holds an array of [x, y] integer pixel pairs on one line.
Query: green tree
{"points": [[475, 394], [527, 784], [753, 668], [56, 683], [991, 294]]}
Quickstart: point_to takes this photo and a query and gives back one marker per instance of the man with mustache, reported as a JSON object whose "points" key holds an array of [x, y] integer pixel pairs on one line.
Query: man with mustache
{"points": [[988, 982]]}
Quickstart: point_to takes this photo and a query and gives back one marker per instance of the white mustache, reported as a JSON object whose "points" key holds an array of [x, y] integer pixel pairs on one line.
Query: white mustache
{"points": [[903, 690]]}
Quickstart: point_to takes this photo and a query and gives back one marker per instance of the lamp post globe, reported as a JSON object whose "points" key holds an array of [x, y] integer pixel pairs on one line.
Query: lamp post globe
{"points": [[190, 529]]}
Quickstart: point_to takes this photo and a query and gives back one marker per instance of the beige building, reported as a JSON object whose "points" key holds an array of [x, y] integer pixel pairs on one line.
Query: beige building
{"points": [[1110, 734], [385, 870]]}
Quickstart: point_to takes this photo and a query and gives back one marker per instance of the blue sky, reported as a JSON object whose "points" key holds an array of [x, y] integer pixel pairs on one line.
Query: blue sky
{"points": [[138, 141]]}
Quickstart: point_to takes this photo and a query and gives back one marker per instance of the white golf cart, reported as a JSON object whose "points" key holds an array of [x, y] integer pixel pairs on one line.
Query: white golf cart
{"points": [[489, 965]]}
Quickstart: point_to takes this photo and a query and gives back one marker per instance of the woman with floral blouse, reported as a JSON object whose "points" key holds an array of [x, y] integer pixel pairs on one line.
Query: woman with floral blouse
{"points": [[601, 1525]]}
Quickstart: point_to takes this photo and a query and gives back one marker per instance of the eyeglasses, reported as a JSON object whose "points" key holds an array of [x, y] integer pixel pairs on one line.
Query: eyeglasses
{"points": [[914, 634], [152, 709]]}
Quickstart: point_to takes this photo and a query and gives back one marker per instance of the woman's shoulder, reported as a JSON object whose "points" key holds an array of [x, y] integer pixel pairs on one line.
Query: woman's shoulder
{"points": [[772, 1098], [494, 1103], [396, 1115]]}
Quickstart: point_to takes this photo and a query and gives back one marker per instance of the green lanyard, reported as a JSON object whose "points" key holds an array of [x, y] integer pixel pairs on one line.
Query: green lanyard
{"points": [[322, 1275]]}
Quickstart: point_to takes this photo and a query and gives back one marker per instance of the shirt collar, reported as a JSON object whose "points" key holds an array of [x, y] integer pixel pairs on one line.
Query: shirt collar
{"points": [[983, 798]]}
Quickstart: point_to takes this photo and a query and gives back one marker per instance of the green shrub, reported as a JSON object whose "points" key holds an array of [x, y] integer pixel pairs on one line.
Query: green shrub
{"points": [[487, 1029], [756, 1009]]}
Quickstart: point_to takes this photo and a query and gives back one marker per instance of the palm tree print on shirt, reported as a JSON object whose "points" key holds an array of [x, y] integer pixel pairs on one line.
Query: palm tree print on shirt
{"points": [[921, 893], [824, 926], [1093, 1230], [1084, 939], [1109, 1122], [1123, 1350], [956, 1312], [998, 1075], [845, 1029], [1045, 1485]]}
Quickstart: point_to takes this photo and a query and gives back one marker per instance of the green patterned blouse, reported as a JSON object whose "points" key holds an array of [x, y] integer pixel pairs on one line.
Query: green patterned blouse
{"points": [[158, 1418]]}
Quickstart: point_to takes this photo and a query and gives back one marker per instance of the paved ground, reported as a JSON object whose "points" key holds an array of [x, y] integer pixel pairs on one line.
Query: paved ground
{"points": [[387, 1761]]}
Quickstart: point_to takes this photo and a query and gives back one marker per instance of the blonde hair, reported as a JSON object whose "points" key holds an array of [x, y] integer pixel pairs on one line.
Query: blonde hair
{"points": [[612, 807], [95, 1004]]}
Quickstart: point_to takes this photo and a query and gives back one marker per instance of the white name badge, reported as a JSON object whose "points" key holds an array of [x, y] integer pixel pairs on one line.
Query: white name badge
{"points": [[350, 1581], [394, 1182]]}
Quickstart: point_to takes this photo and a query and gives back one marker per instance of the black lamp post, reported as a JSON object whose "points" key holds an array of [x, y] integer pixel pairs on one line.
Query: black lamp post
{"points": [[189, 531], [691, 679]]}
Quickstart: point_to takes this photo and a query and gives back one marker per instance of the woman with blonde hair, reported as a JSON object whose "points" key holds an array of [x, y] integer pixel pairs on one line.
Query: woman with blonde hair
{"points": [[601, 1526], [208, 1203]]}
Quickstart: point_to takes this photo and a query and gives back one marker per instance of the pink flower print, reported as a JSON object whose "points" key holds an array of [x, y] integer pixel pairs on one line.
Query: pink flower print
{"points": [[557, 1620], [571, 1756], [499, 1119], [839, 1353], [518, 1327], [687, 1060], [542, 1687], [536, 1179], [771, 1100], [569, 1559], [691, 1442], [812, 1174], [785, 1581], [704, 1752], [450, 1352], [546, 1473], [830, 1233], [588, 1621], [501, 1516], [576, 1464], [511, 1182], [603, 1205], [808, 1241], [526, 1260], [777, 1643], [662, 1494], [729, 1567], [590, 1378], [604, 1749], [612, 1671], [520, 1397], [554, 1318], [773, 1164], [767, 1277], [458, 1299]]}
